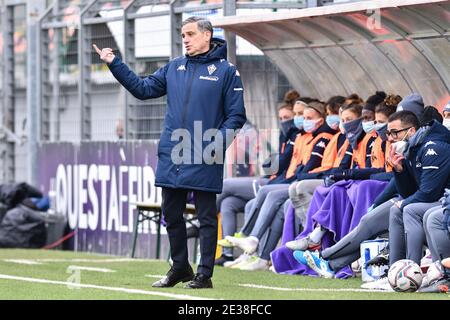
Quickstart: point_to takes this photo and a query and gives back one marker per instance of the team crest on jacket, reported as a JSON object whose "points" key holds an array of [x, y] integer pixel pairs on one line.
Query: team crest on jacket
{"points": [[431, 152], [182, 67], [211, 69]]}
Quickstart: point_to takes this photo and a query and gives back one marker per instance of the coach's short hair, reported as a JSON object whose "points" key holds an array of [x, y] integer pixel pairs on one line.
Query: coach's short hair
{"points": [[407, 118], [203, 24]]}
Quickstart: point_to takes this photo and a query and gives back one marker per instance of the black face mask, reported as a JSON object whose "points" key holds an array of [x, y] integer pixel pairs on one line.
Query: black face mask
{"points": [[286, 125], [353, 131], [381, 131]]}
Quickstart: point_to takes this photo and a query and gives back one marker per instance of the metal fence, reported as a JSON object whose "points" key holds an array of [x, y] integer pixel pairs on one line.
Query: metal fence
{"points": [[78, 98]]}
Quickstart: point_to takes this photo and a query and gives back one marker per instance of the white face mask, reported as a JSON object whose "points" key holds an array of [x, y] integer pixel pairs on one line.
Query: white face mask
{"points": [[446, 123], [401, 146], [310, 125]]}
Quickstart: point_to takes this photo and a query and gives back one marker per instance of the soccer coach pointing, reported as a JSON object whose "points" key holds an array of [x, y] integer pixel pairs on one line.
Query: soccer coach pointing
{"points": [[202, 88]]}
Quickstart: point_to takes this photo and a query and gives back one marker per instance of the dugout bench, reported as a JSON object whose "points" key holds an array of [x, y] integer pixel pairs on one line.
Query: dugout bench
{"points": [[153, 212]]}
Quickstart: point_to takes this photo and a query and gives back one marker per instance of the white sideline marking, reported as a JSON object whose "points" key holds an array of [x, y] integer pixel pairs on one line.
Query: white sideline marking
{"points": [[92, 260], [256, 286], [90, 269], [40, 261], [22, 261], [92, 286], [159, 276]]}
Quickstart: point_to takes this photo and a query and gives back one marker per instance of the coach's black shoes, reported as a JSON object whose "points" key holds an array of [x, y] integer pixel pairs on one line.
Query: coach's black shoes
{"points": [[223, 258], [173, 277], [200, 281]]}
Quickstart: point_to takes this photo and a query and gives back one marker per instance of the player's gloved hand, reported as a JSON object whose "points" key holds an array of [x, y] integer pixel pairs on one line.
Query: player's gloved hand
{"points": [[340, 176]]}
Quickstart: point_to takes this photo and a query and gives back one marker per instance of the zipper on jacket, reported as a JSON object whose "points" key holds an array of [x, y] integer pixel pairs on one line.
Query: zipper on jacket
{"points": [[188, 96]]}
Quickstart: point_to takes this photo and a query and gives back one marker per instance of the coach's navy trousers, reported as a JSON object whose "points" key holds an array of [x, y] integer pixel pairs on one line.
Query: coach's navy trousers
{"points": [[173, 207]]}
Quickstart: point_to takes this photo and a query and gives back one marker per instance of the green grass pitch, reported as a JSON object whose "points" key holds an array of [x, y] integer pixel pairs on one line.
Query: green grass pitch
{"points": [[43, 274]]}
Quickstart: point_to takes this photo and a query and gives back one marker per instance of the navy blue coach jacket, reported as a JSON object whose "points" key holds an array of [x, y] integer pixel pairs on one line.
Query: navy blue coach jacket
{"points": [[203, 90], [426, 169]]}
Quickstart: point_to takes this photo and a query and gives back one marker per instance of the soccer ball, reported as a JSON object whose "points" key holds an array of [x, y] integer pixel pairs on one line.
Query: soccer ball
{"points": [[405, 276]]}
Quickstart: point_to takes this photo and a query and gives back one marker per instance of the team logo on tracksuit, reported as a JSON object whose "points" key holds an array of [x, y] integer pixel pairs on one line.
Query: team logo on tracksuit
{"points": [[321, 144], [431, 152], [211, 69]]}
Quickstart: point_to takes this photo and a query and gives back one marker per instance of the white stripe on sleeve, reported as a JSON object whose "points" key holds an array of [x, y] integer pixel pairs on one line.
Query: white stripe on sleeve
{"points": [[317, 154]]}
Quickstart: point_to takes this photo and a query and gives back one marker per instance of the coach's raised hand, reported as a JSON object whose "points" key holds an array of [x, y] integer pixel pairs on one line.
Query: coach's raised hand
{"points": [[105, 54]]}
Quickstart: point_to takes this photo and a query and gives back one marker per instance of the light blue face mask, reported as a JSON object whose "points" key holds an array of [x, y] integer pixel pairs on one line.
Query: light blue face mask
{"points": [[333, 121], [368, 126], [309, 125], [298, 122], [379, 126]]}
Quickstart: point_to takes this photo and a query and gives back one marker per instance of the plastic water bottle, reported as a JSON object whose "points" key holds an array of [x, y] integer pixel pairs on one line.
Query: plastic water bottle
{"points": [[52, 197], [366, 259]]}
